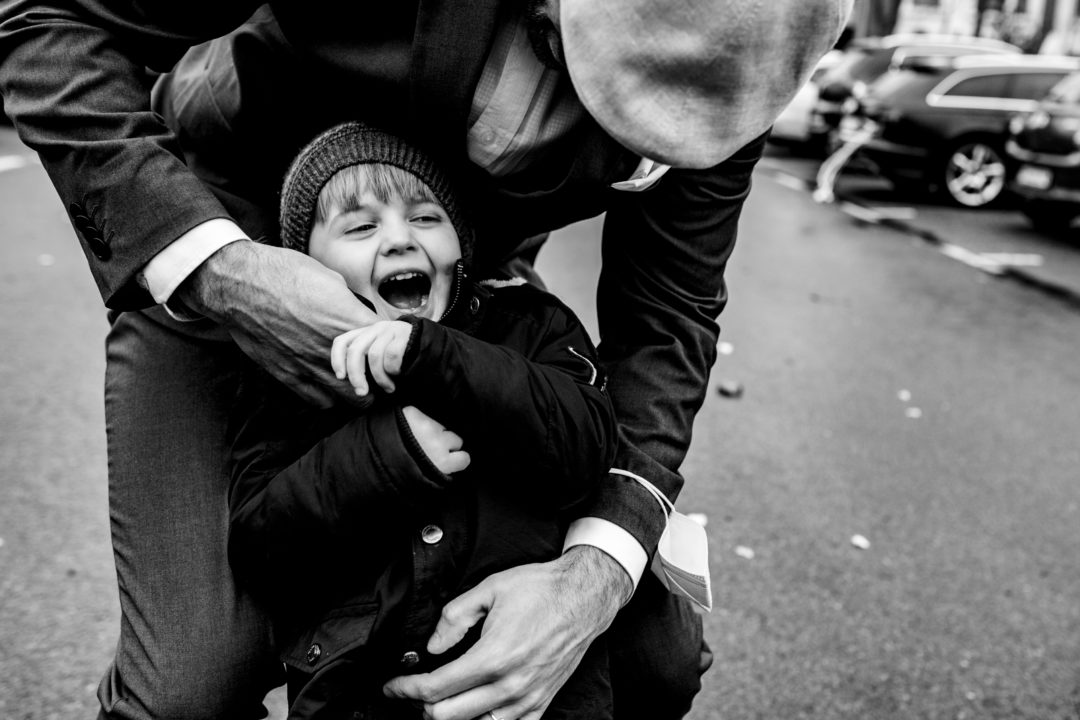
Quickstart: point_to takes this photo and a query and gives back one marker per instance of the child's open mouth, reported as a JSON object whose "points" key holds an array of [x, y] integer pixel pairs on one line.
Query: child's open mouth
{"points": [[406, 291]]}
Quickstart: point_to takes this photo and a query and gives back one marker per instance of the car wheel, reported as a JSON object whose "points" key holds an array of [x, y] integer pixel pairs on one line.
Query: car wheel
{"points": [[1050, 217], [973, 174]]}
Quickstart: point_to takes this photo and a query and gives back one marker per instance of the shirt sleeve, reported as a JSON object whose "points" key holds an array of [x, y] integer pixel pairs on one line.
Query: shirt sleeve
{"points": [[605, 535], [170, 267]]}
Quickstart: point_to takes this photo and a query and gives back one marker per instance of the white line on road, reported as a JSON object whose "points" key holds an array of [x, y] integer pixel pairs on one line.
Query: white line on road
{"points": [[972, 259], [866, 214], [17, 162], [791, 182], [992, 263]]}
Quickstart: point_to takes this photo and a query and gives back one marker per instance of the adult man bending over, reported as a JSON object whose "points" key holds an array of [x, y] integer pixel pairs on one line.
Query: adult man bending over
{"points": [[551, 114]]}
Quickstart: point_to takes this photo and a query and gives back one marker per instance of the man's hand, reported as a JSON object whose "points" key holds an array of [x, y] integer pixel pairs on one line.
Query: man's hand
{"points": [[379, 347], [442, 446], [282, 308], [538, 620]]}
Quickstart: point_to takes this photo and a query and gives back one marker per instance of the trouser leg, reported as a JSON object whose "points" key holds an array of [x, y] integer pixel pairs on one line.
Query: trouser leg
{"points": [[191, 646], [658, 654]]}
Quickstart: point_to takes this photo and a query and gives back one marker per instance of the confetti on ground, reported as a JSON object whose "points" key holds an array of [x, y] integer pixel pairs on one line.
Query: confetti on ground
{"points": [[725, 348], [744, 552], [904, 395], [913, 412], [730, 389], [46, 260], [860, 542]]}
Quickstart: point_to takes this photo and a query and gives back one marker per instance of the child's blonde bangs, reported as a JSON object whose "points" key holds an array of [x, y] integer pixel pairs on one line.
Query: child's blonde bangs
{"points": [[386, 182]]}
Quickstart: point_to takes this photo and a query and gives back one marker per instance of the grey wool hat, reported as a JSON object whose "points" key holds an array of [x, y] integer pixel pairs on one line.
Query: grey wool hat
{"points": [[350, 144]]}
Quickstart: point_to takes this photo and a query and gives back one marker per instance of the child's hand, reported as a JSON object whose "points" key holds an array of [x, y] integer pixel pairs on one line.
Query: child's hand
{"points": [[379, 346], [442, 446]]}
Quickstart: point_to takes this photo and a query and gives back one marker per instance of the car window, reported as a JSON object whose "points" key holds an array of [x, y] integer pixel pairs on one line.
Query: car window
{"points": [[1066, 91], [1033, 86], [903, 85], [980, 86], [864, 64]]}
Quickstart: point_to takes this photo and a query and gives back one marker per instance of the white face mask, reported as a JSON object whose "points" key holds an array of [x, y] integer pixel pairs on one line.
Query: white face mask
{"points": [[682, 555]]}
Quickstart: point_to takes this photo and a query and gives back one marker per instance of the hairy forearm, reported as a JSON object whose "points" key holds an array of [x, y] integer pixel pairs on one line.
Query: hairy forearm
{"points": [[587, 570], [221, 285]]}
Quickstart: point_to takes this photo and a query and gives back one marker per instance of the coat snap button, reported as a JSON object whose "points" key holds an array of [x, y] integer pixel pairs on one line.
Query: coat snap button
{"points": [[99, 247], [410, 658], [474, 305], [431, 534], [313, 653]]}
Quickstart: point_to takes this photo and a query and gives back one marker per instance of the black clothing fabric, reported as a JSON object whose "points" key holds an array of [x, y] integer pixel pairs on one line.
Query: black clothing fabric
{"points": [[355, 540]]}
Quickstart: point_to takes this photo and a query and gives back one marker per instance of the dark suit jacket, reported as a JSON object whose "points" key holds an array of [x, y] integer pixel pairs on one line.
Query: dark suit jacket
{"points": [[74, 79]]}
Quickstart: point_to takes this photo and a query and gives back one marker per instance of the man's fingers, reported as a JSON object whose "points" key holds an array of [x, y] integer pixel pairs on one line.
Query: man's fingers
{"points": [[459, 615]]}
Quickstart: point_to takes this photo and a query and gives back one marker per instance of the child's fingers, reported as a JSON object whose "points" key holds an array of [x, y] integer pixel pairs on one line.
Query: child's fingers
{"points": [[395, 349], [377, 361], [456, 461], [451, 440], [338, 349], [356, 362]]}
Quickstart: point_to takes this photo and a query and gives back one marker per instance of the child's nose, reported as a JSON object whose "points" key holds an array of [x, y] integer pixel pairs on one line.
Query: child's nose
{"points": [[398, 237]]}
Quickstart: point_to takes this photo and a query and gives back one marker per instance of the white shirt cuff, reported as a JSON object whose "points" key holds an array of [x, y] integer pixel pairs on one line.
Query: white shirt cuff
{"points": [[170, 267], [612, 539]]}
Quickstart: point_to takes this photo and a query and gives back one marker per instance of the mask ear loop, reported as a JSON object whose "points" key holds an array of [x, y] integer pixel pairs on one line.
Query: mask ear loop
{"points": [[665, 504]]}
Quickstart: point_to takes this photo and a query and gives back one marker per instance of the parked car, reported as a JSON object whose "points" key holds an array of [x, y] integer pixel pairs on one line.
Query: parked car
{"points": [[793, 125], [942, 124], [867, 59], [1047, 143]]}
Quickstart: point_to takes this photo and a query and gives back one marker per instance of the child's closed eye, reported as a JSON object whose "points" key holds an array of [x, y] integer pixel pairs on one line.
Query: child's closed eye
{"points": [[360, 228]]}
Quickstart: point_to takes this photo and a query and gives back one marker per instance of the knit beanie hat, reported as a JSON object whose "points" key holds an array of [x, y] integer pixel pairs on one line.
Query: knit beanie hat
{"points": [[352, 144]]}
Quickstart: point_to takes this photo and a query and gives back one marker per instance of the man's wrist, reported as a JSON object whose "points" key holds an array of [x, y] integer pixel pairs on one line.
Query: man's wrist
{"points": [[613, 540], [204, 289], [599, 570]]}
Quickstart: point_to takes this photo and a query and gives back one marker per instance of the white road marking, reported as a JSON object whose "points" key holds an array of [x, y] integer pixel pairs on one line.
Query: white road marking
{"points": [[992, 263], [1016, 259], [791, 182], [972, 259]]}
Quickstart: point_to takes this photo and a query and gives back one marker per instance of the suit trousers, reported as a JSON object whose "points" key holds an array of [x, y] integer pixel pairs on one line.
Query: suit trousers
{"points": [[192, 645]]}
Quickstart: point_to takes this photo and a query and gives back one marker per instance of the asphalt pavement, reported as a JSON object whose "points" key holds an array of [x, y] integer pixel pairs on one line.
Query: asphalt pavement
{"points": [[891, 502]]}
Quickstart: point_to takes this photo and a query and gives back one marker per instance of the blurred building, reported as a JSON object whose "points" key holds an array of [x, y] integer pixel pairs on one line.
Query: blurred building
{"points": [[1047, 26]]}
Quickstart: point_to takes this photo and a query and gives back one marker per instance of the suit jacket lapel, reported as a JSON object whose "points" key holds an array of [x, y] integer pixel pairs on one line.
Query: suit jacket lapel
{"points": [[451, 42]]}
